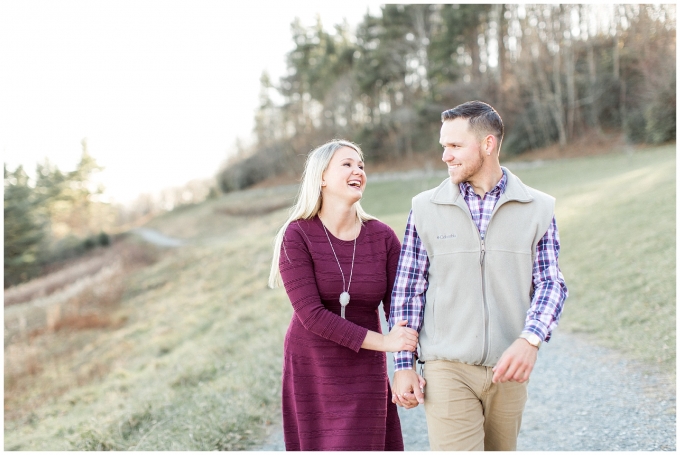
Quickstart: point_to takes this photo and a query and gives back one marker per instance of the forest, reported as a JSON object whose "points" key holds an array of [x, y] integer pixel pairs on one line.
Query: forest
{"points": [[554, 73]]}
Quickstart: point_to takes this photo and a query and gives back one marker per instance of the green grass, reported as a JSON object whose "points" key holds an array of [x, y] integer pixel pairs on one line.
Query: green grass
{"points": [[616, 216], [197, 364]]}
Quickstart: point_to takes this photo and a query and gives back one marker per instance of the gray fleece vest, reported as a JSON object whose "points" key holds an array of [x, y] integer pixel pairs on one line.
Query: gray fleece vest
{"points": [[478, 292]]}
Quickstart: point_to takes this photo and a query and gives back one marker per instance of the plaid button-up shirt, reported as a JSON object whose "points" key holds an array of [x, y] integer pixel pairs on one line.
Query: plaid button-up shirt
{"points": [[408, 294]]}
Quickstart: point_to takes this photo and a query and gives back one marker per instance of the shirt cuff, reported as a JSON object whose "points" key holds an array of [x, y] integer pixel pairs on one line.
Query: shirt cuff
{"points": [[403, 360], [537, 328]]}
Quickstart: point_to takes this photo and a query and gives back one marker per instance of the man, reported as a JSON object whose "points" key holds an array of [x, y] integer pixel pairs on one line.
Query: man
{"points": [[478, 277]]}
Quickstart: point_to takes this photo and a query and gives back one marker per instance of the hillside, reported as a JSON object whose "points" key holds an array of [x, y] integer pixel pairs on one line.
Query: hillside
{"points": [[192, 357]]}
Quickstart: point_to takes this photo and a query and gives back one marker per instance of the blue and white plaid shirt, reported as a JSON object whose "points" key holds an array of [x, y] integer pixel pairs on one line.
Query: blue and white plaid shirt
{"points": [[408, 294]]}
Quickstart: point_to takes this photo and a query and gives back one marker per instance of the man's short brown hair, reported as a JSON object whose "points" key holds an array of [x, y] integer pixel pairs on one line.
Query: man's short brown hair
{"points": [[482, 118]]}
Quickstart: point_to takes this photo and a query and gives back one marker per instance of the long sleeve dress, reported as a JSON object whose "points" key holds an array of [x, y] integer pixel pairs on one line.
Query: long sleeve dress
{"points": [[336, 396]]}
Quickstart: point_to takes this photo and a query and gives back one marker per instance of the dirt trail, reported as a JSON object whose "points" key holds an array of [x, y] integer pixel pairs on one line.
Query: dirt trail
{"points": [[158, 239]]}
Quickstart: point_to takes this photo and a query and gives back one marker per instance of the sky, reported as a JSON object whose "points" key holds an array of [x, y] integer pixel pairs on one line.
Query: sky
{"points": [[161, 90]]}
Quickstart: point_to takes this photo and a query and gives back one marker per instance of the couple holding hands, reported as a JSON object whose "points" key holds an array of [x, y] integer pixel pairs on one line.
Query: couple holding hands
{"points": [[475, 284]]}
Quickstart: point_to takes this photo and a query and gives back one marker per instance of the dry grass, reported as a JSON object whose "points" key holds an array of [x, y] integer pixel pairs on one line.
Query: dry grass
{"points": [[42, 334], [62, 275], [256, 210], [43, 303], [45, 312], [589, 144], [48, 284]]}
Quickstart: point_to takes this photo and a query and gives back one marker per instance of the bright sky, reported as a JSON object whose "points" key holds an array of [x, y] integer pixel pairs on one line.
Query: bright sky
{"points": [[160, 89]]}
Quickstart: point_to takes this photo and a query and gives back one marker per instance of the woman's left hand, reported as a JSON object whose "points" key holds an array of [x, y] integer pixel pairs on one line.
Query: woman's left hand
{"points": [[401, 338]]}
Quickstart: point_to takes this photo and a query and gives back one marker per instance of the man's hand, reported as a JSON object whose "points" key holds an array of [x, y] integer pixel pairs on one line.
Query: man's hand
{"points": [[406, 388], [516, 362]]}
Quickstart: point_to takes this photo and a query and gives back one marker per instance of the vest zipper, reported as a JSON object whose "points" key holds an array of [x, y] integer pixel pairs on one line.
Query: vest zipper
{"points": [[481, 257], [485, 352]]}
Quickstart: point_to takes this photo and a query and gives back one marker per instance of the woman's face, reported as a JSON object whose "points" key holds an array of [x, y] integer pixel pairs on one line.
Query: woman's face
{"points": [[345, 177]]}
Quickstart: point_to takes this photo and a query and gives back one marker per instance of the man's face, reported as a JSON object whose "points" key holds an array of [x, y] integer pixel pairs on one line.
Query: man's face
{"points": [[462, 151]]}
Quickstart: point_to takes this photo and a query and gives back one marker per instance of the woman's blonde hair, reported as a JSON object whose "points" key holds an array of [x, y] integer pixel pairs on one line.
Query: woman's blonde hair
{"points": [[308, 202]]}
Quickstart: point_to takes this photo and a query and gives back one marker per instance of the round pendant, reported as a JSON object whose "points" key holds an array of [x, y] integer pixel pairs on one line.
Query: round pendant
{"points": [[344, 298]]}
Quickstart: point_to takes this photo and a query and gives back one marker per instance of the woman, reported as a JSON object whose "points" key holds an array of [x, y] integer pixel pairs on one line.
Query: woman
{"points": [[337, 263]]}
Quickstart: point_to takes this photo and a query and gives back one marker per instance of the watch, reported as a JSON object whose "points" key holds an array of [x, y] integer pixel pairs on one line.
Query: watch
{"points": [[532, 339]]}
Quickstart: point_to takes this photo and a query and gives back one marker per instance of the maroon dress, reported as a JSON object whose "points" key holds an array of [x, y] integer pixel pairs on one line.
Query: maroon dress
{"points": [[336, 396]]}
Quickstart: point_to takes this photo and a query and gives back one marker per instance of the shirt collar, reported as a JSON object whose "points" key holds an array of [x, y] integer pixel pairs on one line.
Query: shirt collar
{"points": [[467, 190]]}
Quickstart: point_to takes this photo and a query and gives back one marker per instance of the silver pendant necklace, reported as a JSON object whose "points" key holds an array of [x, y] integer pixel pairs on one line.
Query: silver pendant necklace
{"points": [[344, 297]]}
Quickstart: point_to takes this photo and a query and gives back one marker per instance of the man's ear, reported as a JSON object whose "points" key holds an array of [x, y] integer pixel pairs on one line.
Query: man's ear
{"points": [[489, 144]]}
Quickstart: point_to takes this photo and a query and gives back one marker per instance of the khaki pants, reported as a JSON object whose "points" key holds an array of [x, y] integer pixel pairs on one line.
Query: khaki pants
{"points": [[466, 411]]}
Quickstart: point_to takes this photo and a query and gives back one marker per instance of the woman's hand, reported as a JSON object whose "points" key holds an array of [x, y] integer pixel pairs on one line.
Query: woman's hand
{"points": [[408, 388], [401, 338]]}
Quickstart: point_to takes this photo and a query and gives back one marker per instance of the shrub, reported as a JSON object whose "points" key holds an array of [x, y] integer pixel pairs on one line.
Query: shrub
{"points": [[104, 239], [659, 116], [264, 163], [635, 126]]}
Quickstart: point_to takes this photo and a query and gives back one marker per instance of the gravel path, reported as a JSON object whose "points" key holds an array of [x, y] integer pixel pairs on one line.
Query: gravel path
{"points": [[581, 397], [585, 397]]}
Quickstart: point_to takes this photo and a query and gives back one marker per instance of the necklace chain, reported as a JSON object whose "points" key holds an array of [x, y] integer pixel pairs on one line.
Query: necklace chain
{"points": [[336, 259]]}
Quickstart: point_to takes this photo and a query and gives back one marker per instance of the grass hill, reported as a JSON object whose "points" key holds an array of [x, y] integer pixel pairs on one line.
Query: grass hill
{"points": [[189, 354]]}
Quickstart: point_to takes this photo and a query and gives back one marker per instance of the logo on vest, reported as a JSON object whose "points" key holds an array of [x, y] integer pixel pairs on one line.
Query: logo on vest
{"points": [[446, 236]]}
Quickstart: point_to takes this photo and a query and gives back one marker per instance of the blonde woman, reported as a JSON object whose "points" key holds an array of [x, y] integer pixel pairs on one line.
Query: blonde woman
{"points": [[337, 263]]}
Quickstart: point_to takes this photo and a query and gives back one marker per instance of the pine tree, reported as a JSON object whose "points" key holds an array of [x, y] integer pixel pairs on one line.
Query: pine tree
{"points": [[25, 227]]}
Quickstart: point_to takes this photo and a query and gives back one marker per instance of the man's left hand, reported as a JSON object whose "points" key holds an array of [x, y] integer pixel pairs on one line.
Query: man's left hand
{"points": [[516, 362]]}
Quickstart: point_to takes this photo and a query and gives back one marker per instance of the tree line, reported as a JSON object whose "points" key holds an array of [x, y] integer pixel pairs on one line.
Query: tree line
{"points": [[52, 216], [554, 72]]}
